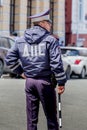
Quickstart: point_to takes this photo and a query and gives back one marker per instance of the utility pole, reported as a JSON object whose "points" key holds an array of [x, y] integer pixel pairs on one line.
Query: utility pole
{"points": [[77, 35]]}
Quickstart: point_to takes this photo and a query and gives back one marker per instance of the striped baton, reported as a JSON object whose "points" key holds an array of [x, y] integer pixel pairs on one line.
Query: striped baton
{"points": [[60, 112]]}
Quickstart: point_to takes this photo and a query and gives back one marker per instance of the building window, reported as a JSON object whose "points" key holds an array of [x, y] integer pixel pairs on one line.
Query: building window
{"points": [[12, 16], [80, 10], [29, 12], [52, 12]]}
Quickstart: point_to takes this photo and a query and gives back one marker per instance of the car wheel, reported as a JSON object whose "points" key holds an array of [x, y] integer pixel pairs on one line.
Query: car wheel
{"points": [[68, 72], [83, 73], [1, 68]]}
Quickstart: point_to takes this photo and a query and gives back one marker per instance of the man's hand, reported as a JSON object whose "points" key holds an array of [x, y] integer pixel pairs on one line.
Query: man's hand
{"points": [[60, 89], [23, 76]]}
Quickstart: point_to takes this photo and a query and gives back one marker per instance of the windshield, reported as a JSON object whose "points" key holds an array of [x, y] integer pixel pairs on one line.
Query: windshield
{"points": [[68, 52]]}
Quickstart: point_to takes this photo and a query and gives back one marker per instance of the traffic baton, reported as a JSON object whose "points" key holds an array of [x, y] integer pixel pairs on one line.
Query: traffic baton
{"points": [[60, 110]]}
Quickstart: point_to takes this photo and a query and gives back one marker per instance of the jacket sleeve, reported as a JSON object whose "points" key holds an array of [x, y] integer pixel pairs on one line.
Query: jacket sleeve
{"points": [[12, 60], [56, 64]]}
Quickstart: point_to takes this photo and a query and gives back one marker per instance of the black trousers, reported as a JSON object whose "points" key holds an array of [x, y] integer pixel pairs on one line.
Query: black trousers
{"points": [[40, 90]]}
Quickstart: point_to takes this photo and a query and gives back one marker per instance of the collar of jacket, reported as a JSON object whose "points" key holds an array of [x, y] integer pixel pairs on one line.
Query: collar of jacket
{"points": [[43, 28]]}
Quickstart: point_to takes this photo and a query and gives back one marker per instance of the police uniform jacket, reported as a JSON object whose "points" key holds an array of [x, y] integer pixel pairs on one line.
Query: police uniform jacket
{"points": [[37, 55]]}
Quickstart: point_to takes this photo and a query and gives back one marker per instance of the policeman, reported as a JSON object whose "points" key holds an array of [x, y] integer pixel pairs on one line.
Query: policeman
{"points": [[36, 56]]}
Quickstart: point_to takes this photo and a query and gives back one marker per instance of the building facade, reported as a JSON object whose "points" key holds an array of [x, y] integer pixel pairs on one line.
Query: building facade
{"points": [[14, 13], [76, 22]]}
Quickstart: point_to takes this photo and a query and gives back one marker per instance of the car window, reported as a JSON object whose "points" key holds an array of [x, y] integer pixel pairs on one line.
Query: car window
{"points": [[69, 52], [72, 53], [63, 51], [4, 42]]}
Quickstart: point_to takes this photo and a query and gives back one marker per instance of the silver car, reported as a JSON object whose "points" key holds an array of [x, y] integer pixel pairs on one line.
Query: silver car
{"points": [[5, 44], [75, 61]]}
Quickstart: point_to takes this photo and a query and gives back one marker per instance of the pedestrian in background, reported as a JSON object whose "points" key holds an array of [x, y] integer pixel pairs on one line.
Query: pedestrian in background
{"points": [[61, 43], [15, 35], [40, 58]]}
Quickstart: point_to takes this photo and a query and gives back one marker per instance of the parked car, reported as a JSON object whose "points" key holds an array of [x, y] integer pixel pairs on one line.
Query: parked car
{"points": [[75, 61], [5, 44]]}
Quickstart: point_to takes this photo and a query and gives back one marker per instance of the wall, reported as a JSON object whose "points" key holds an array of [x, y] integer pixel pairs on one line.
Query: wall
{"points": [[37, 7]]}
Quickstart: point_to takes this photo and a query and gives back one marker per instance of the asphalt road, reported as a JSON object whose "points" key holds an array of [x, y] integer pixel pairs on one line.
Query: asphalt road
{"points": [[13, 111]]}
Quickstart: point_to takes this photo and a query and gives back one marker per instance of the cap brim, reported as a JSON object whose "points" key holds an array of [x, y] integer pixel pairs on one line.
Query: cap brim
{"points": [[40, 14]]}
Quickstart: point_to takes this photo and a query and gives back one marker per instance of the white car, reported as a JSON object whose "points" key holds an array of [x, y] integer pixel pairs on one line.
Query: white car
{"points": [[75, 61]]}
